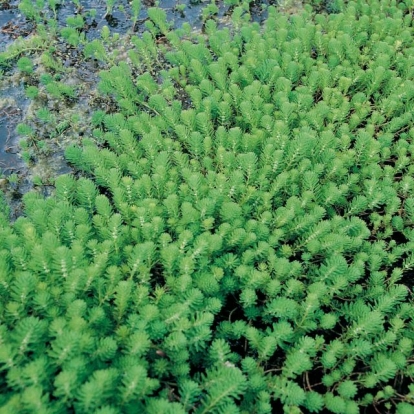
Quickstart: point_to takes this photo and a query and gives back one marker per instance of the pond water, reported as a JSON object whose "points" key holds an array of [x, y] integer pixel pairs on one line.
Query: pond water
{"points": [[12, 100], [11, 112]]}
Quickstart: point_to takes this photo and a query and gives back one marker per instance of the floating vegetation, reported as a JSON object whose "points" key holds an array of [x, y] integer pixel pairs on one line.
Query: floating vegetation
{"points": [[236, 233]]}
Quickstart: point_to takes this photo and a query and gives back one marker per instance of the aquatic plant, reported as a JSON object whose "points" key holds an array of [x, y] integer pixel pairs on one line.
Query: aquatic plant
{"points": [[25, 65], [241, 238]]}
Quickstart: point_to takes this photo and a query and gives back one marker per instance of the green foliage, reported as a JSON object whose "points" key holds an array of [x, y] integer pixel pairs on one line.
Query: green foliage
{"points": [[32, 9], [24, 130], [72, 35], [159, 18], [60, 90], [25, 65], [31, 92], [241, 238]]}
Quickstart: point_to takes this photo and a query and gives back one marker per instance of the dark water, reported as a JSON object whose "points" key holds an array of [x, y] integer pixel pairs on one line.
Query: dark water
{"points": [[10, 115], [12, 100], [6, 15]]}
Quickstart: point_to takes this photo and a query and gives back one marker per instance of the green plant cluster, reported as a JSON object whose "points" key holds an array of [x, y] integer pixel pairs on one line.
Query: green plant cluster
{"points": [[241, 240]]}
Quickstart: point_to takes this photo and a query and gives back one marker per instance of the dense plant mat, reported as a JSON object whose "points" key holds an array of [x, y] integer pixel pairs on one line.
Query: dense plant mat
{"points": [[241, 237]]}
